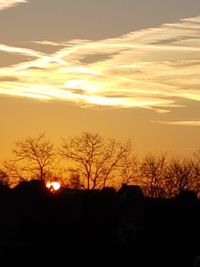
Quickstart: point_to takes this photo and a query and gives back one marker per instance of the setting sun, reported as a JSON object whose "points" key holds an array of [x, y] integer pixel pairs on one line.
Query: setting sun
{"points": [[53, 186]]}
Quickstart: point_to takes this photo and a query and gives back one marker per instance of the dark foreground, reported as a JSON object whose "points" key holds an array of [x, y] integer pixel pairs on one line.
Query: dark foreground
{"points": [[78, 227]]}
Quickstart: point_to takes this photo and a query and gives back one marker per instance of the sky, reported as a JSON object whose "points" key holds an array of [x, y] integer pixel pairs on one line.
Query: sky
{"points": [[121, 68]]}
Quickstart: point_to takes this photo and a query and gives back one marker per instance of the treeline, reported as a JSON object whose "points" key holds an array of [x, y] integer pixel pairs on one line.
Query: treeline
{"points": [[90, 161]]}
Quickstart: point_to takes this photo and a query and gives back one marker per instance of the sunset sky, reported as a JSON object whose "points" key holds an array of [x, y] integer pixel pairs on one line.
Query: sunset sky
{"points": [[122, 68]]}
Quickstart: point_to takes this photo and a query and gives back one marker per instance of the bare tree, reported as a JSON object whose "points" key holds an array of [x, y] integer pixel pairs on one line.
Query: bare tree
{"points": [[96, 159], [152, 171], [129, 172], [4, 178], [178, 176], [33, 158], [195, 162], [74, 179], [16, 173]]}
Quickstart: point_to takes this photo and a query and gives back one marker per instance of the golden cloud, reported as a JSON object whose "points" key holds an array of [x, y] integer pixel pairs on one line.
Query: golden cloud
{"points": [[150, 68], [180, 123], [4, 4]]}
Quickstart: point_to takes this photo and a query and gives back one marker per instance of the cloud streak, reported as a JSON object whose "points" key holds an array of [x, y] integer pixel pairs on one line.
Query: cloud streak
{"points": [[4, 4], [180, 123], [153, 68]]}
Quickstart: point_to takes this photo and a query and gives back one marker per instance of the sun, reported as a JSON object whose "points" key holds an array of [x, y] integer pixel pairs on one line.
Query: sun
{"points": [[53, 186]]}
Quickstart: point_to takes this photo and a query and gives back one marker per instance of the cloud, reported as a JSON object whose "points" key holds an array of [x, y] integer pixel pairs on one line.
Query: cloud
{"points": [[8, 79], [20, 51], [4, 4], [180, 123], [154, 68]]}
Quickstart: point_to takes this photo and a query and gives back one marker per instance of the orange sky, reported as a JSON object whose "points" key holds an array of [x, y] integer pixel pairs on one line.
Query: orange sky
{"points": [[124, 69]]}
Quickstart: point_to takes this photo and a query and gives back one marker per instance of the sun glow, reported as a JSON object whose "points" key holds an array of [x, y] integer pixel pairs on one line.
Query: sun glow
{"points": [[53, 186], [88, 86]]}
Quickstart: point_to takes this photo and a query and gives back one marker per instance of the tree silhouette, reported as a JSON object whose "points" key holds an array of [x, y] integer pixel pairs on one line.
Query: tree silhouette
{"points": [[96, 159], [97, 162], [74, 180], [129, 171], [33, 157], [4, 178], [196, 171], [152, 172], [178, 176]]}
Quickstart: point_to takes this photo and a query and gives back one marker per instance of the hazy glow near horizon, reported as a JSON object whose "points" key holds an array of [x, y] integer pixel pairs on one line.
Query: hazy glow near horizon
{"points": [[153, 68]]}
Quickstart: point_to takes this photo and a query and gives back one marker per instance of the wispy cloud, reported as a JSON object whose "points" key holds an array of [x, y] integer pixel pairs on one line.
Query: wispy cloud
{"points": [[152, 68], [20, 51], [4, 4], [180, 123]]}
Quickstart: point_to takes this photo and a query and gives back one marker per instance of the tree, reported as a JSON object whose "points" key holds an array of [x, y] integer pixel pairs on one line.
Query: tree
{"points": [[195, 172], [129, 170], [33, 158], [178, 176], [95, 159], [4, 178], [74, 179], [16, 174], [152, 171]]}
